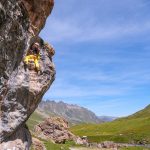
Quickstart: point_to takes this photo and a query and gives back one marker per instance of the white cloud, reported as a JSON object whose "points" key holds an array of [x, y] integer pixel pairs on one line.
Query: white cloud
{"points": [[63, 30], [96, 20], [97, 84], [76, 92]]}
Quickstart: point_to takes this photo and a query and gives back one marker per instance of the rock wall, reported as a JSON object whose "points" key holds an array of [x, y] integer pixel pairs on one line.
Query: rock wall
{"points": [[21, 90], [38, 11]]}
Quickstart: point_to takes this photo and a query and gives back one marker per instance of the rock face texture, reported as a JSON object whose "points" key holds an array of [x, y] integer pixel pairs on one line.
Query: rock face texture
{"points": [[55, 129], [38, 11], [37, 144], [21, 89]]}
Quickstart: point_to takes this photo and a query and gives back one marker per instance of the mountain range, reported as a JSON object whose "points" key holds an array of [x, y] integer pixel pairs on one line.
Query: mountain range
{"points": [[73, 113], [107, 118]]}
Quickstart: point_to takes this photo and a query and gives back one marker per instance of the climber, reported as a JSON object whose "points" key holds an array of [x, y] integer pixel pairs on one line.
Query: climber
{"points": [[35, 49], [32, 58]]}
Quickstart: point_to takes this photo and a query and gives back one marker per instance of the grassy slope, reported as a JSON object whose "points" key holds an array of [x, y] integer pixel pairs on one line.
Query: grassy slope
{"points": [[34, 119], [133, 128], [134, 148], [52, 146]]}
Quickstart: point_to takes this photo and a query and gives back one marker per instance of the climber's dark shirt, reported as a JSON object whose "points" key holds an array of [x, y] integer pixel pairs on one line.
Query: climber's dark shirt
{"points": [[33, 51]]}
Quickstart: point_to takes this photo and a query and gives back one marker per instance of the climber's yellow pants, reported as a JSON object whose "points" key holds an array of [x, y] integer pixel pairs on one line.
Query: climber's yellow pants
{"points": [[33, 58]]}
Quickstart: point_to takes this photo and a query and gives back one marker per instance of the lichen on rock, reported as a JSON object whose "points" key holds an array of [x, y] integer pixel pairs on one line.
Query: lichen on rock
{"points": [[21, 90]]}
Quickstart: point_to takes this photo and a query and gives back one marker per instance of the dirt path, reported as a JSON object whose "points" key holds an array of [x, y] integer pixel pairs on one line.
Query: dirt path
{"points": [[89, 149]]}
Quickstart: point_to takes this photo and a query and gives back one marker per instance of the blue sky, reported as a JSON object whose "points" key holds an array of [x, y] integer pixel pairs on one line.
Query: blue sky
{"points": [[102, 54]]}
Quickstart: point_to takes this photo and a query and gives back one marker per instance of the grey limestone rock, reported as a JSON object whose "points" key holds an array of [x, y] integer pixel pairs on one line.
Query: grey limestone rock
{"points": [[21, 89]]}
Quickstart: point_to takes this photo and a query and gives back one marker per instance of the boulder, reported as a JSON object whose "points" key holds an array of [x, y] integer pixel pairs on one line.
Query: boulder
{"points": [[109, 144], [55, 129], [21, 90], [37, 144]]}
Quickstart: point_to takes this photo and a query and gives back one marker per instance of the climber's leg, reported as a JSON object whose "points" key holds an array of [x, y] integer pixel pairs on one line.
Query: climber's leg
{"points": [[26, 60], [37, 66]]}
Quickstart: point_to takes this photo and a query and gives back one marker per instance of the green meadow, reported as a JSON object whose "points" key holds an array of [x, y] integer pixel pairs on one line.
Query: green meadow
{"points": [[132, 129]]}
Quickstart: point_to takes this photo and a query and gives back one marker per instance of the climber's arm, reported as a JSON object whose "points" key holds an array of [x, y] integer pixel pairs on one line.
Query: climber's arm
{"points": [[26, 59]]}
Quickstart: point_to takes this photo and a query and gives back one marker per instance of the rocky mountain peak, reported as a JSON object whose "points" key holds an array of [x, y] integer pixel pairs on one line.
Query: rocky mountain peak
{"points": [[73, 113], [21, 88]]}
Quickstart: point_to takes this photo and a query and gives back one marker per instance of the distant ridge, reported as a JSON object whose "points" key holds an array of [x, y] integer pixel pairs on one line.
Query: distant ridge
{"points": [[107, 118], [73, 113]]}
